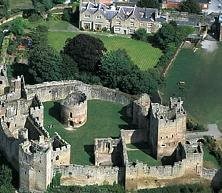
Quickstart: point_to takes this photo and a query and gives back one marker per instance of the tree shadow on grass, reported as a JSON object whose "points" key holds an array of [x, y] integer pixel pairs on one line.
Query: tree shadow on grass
{"points": [[55, 111], [89, 149]]}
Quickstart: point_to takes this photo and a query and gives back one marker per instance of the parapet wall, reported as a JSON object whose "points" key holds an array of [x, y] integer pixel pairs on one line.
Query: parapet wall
{"points": [[90, 175], [140, 172], [57, 90]]}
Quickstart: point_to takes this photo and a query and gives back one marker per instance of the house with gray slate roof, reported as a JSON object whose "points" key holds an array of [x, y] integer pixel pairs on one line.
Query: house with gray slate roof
{"points": [[120, 20]]}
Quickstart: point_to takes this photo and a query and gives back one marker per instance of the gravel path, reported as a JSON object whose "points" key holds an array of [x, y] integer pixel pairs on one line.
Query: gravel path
{"points": [[212, 131]]}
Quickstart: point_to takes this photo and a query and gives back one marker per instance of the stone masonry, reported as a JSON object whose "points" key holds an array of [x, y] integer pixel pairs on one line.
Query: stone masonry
{"points": [[37, 157]]}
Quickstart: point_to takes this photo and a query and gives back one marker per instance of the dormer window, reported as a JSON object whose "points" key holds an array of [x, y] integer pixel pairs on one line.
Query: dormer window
{"points": [[87, 16], [98, 17]]}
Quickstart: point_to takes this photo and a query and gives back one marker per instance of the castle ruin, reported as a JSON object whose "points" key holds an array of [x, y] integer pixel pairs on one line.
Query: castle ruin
{"points": [[38, 156]]}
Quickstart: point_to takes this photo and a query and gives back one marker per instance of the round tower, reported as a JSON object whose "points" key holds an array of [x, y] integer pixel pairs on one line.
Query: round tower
{"points": [[74, 110]]}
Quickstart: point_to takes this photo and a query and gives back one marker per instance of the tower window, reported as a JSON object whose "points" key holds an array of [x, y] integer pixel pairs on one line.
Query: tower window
{"points": [[70, 115]]}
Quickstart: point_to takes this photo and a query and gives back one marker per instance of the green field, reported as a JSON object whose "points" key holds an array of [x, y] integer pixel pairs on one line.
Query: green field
{"points": [[20, 4], [104, 120], [142, 54], [139, 152], [202, 92]]}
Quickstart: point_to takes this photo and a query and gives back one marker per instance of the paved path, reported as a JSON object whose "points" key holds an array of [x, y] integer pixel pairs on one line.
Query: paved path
{"points": [[212, 131]]}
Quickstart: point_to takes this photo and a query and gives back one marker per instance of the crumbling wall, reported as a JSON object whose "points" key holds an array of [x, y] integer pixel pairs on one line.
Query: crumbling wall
{"points": [[134, 136], [35, 129], [140, 111], [61, 151], [142, 172], [9, 145], [57, 90], [38, 113], [90, 175]]}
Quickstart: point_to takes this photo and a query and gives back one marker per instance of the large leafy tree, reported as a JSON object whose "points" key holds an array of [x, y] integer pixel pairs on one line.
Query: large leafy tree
{"points": [[17, 26], [45, 64], [148, 3], [118, 71], [190, 6], [86, 51]]}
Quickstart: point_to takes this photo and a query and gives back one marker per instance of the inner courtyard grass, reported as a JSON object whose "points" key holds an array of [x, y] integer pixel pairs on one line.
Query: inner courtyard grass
{"points": [[104, 120], [139, 152], [141, 53], [201, 73]]}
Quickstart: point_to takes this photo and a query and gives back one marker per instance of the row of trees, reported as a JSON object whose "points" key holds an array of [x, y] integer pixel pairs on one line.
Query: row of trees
{"points": [[41, 6], [168, 38], [4, 7], [190, 6], [84, 58]]}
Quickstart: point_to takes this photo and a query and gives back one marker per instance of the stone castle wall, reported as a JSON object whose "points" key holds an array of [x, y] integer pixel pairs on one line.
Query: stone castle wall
{"points": [[134, 136], [61, 153], [135, 174], [57, 90], [90, 175], [9, 146]]}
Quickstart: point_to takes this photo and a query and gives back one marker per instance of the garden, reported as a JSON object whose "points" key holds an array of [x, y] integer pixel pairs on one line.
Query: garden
{"points": [[141, 53]]}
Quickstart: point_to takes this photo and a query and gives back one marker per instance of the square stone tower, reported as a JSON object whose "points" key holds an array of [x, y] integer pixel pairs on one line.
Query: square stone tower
{"points": [[35, 165], [167, 127]]}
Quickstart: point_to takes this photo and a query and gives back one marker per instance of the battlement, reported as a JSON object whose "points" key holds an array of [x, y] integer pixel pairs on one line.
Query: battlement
{"points": [[35, 124], [59, 144], [167, 114], [90, 175]]}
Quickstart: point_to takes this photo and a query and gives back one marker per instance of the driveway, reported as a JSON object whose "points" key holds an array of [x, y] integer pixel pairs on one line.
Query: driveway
{"points": [[212, 131]]}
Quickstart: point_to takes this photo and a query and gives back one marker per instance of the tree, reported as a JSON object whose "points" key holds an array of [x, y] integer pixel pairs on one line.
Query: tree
{"points": [[148, 3], [118, 71], [67, 15], [41, 6], [190, 6], [86, 51], [140, 34], [4, 7], [17, 26], [40, 35], [58, 1], [45, 64], [70, 64]]}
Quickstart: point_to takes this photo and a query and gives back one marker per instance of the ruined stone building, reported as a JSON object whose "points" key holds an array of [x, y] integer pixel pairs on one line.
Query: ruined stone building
{"points": [[37, 156]]}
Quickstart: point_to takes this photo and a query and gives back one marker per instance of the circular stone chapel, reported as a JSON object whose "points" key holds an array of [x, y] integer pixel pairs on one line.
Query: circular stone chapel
{"points": [[74, 110]]}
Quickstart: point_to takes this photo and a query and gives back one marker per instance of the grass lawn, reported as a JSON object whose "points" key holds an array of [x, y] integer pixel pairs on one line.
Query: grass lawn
{"points": [[20, 4], [52, 24], [139, 152], [209, 160], [142, 54], [202, 93], [104, 120]]}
